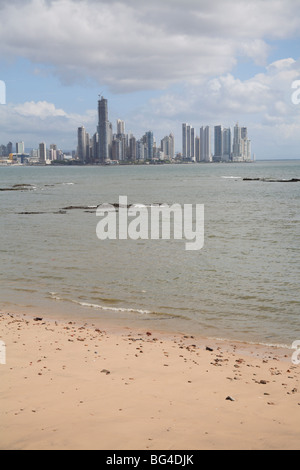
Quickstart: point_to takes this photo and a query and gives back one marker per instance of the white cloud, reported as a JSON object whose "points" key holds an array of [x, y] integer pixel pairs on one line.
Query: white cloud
{"points": [[136, 44], [41, 109], [42, 121], [265, 93], [263, 103], [186, 48]]}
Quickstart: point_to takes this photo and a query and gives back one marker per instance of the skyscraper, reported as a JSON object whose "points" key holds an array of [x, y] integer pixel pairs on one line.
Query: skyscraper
{"points": [[104, 131], [192, 152], [9, 148], [120, 127], [241, 151], [53, 150], [42, 152], [20, 148], [218, 144], [132, 149], [171, 146], [184, 140], [205, 146], [168, 146], [150, 144], [82, 143], [95, 150], [188, 141], [197, 149], [226, 145]]}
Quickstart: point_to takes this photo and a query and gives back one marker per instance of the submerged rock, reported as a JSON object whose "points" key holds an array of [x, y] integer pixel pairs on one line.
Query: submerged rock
{"points": [[269, 180], [18, 187]]}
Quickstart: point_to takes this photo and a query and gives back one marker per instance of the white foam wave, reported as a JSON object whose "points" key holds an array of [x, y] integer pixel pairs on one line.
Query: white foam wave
{"points": [[232, 177], [55, 296], [113, 309]]}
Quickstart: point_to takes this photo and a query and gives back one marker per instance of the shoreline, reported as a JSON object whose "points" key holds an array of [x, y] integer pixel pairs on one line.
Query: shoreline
{"points": [[75, 385], [73, 311]]}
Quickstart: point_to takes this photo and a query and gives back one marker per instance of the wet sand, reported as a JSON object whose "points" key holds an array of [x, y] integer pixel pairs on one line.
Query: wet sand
{"points": [[81, 386]]}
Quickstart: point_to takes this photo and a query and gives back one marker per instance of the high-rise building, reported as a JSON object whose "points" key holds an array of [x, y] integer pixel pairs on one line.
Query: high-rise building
{"points": [[88, 149], [237, 147], [132, 149], [95, 144], [205, 145], [171, 146], [9, 148], [42, 152], [192, 151], [218, 144], [197, 149], [20, 148], [117, 150], [104, 131], [226, 145], [168, 147], [150, 145], [165, 146], [241, 150], [188, 142], [184, 140], [120, 127], [141, 150], [53, 152], [82, 143]]}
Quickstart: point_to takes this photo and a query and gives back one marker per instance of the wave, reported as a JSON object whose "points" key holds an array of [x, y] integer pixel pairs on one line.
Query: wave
{"points": [[114, 309], [158, 315], [232, 177], [55, 296]]}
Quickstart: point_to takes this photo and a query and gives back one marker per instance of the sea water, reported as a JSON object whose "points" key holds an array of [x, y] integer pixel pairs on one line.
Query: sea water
{"points": [[243, 284]]}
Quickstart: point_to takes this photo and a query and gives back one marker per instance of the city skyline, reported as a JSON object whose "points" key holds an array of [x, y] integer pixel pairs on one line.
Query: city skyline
{"points": [[164, 64], [105, 145]]}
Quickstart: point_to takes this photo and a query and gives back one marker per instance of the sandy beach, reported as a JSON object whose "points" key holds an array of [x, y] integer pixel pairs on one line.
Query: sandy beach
{"points": [[67, 385]]}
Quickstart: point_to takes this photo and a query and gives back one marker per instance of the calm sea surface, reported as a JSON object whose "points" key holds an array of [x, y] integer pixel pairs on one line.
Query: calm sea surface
{"points": [[244, 283]]}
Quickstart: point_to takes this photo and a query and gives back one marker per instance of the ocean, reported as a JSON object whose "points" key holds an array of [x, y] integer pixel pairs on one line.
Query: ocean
{"points": [[243, 285]]}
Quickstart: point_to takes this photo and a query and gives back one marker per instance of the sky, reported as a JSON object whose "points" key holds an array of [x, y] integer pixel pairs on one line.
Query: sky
{"points": [[159, 64]]}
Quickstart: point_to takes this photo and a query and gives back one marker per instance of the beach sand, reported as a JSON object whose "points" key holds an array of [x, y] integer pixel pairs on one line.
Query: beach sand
{"points": [[78, 386]]}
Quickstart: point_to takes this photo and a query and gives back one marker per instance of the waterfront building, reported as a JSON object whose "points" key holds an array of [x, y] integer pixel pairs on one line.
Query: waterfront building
{"points": [[205, 144], [42, 153]]}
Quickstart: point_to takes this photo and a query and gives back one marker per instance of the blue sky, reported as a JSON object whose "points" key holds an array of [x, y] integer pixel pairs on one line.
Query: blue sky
{"points": [[159, 63]]}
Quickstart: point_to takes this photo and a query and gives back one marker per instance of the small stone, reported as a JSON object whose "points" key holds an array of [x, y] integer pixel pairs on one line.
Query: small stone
{"points": [[230, 399], [209, 349]]}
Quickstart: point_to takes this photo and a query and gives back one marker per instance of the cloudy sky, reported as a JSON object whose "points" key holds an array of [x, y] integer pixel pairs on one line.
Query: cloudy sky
{"points": [[159, 63]]}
